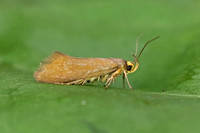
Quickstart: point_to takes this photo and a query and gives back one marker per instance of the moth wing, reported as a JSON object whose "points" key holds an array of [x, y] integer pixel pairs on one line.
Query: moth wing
{"points": [[50, 67], [60, 68]]}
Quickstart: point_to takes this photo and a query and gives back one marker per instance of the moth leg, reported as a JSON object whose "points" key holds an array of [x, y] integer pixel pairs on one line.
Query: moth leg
{"points": [[127, 79], [75, 82], [113, 76], [83, 82], [109, 81], [123, 78]]}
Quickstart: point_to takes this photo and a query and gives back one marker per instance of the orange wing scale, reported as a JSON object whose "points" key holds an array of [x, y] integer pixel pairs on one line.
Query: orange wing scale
{"points": [[60, 68]]}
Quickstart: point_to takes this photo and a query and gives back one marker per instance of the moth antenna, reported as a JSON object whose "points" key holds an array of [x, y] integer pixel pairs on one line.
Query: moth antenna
{"points": [[146, 45], [137, 42], [136, 58]]}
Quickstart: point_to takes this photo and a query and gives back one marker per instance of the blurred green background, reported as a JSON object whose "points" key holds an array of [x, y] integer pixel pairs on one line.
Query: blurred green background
{"points": [[167, 84]]}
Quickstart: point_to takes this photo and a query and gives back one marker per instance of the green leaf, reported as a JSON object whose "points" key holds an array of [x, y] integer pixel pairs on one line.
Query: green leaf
{"points": [[167, 83]]}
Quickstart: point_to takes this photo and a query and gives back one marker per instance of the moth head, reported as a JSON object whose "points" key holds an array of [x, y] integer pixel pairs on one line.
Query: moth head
{"points": [[133, 66]]}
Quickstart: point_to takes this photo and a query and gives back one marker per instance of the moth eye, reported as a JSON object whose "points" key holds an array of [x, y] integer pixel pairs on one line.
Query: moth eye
{"points": [[129, 67]]}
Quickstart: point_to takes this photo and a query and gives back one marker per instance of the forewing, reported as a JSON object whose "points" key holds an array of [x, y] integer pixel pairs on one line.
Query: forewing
{"points": [[59, 68]]}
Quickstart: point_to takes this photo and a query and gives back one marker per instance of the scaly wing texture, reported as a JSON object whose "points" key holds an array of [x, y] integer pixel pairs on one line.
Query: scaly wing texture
{"points": [[60, 68]]}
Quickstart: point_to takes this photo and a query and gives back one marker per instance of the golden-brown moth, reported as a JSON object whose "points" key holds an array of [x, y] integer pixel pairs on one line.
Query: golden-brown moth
{"points": [[67, 70]]}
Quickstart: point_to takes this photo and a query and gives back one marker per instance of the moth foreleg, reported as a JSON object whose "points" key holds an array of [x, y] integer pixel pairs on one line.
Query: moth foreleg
{"points": [[123, 78], [125, 74]]}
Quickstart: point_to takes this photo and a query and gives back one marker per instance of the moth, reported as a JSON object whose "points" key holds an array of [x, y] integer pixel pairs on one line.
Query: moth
{"points": [[66, 70]]}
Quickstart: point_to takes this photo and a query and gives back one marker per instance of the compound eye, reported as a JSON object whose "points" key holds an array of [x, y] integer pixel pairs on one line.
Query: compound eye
{"points": [[129, 67]]}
